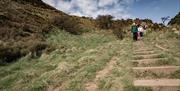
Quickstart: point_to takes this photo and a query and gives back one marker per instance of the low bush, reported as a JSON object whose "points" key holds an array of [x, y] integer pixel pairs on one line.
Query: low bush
{"points": [[37, 48], [175, 20], [118, 30], [10, 52], [68, 24], [119, 33], [104, 21]]}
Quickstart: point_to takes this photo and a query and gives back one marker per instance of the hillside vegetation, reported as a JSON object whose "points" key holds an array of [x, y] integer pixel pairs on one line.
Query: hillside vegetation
{"points": [[175, 20], [24, 24], [43, 49], [79, 59], [175, 23]]}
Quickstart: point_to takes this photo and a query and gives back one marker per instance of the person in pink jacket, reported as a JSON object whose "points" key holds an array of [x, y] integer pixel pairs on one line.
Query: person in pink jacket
{"points": [[140, 31]]}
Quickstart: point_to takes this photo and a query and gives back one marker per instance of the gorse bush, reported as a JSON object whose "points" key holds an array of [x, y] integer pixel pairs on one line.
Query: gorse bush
{"points": [[10, 52], [157, 27], [118, 30], [68, 24], [119, 33], [175, 20], [104, 21]]}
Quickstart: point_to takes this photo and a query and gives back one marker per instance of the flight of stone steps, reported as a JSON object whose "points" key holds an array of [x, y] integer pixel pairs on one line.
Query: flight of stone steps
{"points": [[150, 73]]}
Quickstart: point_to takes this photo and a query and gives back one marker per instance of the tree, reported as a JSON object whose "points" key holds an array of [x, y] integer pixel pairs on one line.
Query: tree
{"points": [[164, 19]]}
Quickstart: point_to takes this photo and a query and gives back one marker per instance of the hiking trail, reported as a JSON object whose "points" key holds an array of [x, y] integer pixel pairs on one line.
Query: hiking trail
{"points": [[149, 73], [92, 86]]}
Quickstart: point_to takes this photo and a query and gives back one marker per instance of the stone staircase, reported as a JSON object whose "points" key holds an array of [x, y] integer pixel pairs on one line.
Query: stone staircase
{"points": [[150, 73]]}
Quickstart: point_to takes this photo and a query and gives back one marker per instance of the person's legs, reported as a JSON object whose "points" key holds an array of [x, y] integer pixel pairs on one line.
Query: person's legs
{"points": [[134, 36], [141, 34], [138, 35]]}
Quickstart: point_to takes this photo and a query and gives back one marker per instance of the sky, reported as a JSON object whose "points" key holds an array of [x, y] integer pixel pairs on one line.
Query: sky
{"points": [[120, 9]]}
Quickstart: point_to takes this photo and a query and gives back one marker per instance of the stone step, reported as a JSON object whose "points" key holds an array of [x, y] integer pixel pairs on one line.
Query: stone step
{"points": [[142, 50], [159, 84], [155, 71], [177, 60], [162, 48], [150, 56], [177, 55], [144, 53], [150, 62]]}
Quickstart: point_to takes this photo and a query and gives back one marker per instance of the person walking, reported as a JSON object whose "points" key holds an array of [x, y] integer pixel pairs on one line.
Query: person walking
{"points": [[140, 31], [134, 31], [145, 29]]}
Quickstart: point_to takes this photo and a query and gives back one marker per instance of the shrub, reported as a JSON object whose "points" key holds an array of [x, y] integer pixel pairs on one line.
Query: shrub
{"points": [[37, 48], [104, 21], [3, 19], [7, 33], [175, 20], [119, 33], [119, 28], [68, 24], [157, 27], [11, 51]]}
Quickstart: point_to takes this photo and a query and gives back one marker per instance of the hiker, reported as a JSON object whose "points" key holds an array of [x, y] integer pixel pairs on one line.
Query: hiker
{"points": [[145, 29], [140, 31], [134, 30]]}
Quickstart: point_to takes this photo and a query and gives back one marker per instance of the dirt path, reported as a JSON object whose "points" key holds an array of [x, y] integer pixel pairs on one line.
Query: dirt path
{"points": [[92, 86], [144, 56]]}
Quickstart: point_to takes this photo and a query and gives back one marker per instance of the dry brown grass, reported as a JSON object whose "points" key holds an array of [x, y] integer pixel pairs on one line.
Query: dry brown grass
{"points": [[23, 25]]}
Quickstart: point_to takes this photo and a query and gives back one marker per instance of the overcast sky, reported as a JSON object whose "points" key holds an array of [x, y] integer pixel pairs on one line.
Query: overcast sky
{"points": [[152, 9]]}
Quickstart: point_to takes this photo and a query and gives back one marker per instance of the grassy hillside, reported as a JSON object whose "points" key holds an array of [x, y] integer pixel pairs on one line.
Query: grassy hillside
{"points": [[25, 23], [78, 59], [74, 62], [42, 49]]}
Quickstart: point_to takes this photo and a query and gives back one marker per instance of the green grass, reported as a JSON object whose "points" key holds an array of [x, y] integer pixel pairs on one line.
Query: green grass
{"points": [[75, 62], [168, 40], [169, 61], [121, 72], [176, 75]]}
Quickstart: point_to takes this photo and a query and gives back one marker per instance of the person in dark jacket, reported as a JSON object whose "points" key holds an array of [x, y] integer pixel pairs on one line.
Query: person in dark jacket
{"points": [[134, 30]]}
